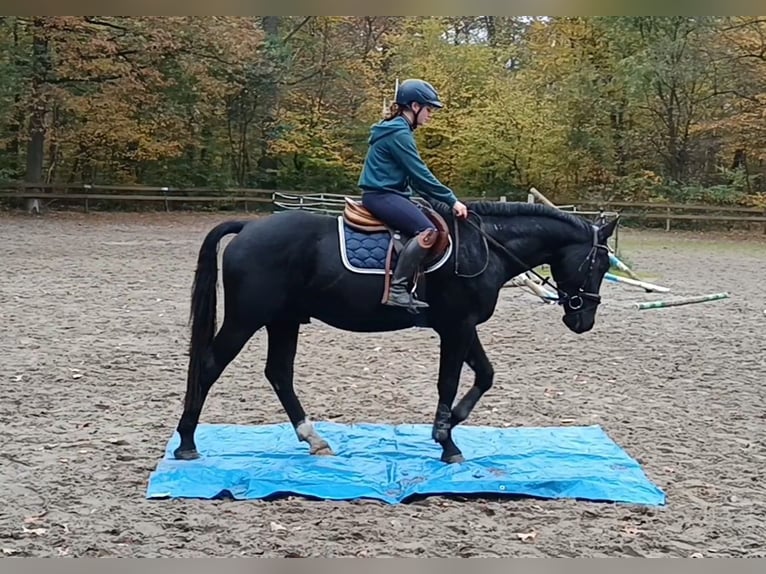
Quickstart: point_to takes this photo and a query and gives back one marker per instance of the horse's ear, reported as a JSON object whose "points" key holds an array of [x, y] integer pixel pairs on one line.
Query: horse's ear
{"points": [[606, 230]]}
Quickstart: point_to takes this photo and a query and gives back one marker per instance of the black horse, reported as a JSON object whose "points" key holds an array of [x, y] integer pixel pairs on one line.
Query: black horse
{"points": [[283, 269]]}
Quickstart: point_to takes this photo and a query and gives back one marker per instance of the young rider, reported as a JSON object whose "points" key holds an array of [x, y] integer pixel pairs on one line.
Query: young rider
{"points": [[392, 168]]}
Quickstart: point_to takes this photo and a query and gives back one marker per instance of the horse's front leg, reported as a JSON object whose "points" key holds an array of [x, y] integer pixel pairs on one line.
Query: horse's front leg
{"points": [[484, 377], [454, 347]]}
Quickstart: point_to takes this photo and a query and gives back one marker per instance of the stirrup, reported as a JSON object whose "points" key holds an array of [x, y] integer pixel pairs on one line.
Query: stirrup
{"points": [[412, 304]]}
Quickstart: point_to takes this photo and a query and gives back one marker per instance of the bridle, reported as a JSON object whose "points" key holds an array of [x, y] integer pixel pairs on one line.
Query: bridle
{"points": [[576, 302]]}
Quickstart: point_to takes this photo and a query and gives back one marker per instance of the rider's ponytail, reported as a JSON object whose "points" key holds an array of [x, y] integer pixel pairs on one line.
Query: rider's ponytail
{"points": [[394, 111]]}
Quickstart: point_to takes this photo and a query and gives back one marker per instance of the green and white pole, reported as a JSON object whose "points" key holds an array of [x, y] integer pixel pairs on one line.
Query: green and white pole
{"points": [[684, 301]]}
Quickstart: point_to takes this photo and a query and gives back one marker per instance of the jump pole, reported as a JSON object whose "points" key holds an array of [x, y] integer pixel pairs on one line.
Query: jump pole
{"points": [[636, 283], [523, 280], [539, 290], [540, 197], [621, 266], [677, 302]]}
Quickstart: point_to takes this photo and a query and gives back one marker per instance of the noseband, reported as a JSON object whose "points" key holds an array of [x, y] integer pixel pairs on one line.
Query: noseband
{"points": [[576, 302]]}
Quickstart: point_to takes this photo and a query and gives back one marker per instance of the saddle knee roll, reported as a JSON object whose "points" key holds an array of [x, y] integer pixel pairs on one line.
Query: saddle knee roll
{"points": [[427, 239]]}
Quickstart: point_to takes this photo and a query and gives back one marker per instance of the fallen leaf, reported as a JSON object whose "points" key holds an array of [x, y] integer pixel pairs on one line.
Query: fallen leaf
{"points": [[275, 527], [36, 531], [10, 551], [630, 551], [526, 536], [117, 441]]}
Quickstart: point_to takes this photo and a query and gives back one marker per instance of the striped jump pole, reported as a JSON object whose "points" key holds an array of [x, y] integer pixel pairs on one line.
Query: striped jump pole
{"points": [[615, 262], [683, 301]]}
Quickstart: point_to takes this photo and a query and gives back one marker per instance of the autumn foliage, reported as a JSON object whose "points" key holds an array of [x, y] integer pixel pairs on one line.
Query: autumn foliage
{"points": [[642, 108]]}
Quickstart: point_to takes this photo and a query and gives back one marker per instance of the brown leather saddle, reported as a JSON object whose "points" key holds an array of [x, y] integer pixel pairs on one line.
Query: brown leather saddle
{"points": [[356, 216]]}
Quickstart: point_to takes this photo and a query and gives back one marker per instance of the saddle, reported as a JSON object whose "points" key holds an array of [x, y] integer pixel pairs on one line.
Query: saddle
{"points": [[357, 217]]}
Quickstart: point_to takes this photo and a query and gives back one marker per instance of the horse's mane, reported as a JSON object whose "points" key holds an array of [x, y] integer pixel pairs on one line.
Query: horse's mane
{"points": [[518, 209]]}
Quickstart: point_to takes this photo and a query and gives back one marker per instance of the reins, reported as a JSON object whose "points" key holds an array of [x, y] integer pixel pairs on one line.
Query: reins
{"points": [[575, 302]]}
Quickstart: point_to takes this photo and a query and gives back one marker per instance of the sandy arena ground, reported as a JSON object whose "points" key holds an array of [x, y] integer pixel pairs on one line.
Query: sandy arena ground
{"points": [[94, 311]]}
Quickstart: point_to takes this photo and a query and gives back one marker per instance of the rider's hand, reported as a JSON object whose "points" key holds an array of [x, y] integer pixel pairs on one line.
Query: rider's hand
{"points": [[460, 209]]}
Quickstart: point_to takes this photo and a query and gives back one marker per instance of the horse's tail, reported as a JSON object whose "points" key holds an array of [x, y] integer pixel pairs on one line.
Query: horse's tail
{"points": [[203, 305]]}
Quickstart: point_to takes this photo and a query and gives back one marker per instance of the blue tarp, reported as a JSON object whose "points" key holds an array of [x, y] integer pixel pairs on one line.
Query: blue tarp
{"points": [[394, 463]]}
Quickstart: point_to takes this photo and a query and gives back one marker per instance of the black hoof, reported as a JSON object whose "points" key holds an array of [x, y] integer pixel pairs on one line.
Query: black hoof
{"points": [[190, 454], [453, 458]]}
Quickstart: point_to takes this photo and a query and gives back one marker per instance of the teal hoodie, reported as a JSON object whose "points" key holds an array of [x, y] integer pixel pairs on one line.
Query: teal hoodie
{"points": [[393, 164]]}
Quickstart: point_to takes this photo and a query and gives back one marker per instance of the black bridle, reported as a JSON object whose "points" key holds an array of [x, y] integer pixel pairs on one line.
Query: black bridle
{"points": [[574, 302]]}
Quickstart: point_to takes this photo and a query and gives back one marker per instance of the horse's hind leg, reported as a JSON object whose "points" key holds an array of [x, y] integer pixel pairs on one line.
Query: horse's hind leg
{"points": [[226, 345], [280, 362]]}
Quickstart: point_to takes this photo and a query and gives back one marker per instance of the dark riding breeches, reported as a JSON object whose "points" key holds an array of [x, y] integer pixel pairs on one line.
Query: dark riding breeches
{"points": [[398, 212]]}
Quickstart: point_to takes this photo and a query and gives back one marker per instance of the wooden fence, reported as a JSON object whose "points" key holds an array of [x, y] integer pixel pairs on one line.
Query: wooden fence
{"points": [[106, 194], [269, 200], [669, 212]]}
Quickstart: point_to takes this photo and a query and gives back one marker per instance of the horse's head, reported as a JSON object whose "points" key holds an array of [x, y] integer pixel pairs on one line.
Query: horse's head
{"points": [[578, 270]]}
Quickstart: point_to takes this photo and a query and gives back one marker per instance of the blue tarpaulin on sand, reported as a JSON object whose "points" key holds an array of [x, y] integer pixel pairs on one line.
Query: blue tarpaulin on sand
{"points": [[394, 463]]}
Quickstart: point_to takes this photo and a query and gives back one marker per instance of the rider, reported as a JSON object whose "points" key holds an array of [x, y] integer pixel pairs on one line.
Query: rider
{"points": [[391, 169]]}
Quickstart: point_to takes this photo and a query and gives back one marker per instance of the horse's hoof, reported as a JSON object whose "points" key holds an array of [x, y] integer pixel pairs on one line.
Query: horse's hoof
{"points": [[323, 451], [453, 459], [186, 454]]}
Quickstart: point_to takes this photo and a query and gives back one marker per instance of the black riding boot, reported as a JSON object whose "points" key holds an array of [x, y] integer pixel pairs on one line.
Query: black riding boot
{"points": [[407, 265]]}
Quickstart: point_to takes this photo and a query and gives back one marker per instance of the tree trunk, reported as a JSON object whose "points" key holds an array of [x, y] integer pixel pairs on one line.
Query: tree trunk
{"points": [[36, 145]]}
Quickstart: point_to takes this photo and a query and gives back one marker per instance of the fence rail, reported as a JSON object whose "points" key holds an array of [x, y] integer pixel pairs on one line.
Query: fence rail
{"points": [[668, 212], [332, 202], [128, 193]]}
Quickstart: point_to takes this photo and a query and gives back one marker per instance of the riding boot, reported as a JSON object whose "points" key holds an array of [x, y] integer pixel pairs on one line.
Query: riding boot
{"points": [[407, 266]]}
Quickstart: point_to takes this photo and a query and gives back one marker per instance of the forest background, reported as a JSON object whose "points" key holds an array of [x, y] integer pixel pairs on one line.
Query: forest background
{"points": [[620, 108]]}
